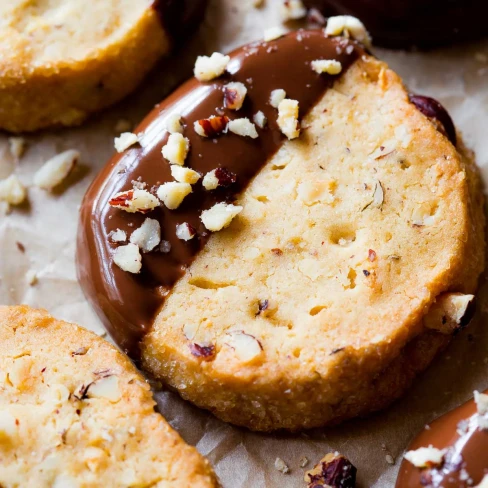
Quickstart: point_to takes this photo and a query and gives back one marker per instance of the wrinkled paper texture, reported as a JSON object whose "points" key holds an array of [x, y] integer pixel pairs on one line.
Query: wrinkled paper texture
{"points": [[46, 227]]}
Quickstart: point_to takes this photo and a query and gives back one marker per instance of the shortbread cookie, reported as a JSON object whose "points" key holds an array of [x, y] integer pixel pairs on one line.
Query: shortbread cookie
{"points": [[64, 59], [74, 412], [274, 253]]}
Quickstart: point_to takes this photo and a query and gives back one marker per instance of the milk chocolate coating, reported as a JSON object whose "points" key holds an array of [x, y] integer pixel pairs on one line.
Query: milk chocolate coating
{"points": [[128, 303], [407, 23], [467, 453]]}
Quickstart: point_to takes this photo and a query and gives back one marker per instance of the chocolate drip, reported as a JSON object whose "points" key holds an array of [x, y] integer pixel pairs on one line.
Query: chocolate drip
{"points": [[128, 303], [466, 459]]}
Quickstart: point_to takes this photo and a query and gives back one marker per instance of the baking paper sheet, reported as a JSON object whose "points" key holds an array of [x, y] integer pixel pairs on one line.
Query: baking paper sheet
{"points": [[46, 228]]}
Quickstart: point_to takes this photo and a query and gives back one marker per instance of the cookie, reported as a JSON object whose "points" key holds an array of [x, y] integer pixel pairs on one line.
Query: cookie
{"points": [[75, 412], [280, 271], [66, 59], [409, 23]]}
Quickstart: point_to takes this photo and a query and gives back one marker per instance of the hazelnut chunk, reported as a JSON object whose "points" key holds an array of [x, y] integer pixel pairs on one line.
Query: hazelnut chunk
{"points": [[274, 33], [173, 193], [219, 216], [288, 118], [333, 471], [107, 388], [185, 231], [176, 149], [348, 26], [450, 312], [211, 127], [276, 97], [117, 235], [218, 177], [209, 67], [184, 175], [134, 201], [246, 347], [234, 95], [328, 66], [425, 457], [280, 465], [56, 169], [124, 141], [207, 353], [128, 258], [293, 10], [173, 124], [12, 190], [260, 119], [17, 146], [243, 127], [147, 236]]}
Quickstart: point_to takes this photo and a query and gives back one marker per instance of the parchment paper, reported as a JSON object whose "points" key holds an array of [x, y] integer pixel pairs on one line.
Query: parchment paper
{"points": [[458, 77]]}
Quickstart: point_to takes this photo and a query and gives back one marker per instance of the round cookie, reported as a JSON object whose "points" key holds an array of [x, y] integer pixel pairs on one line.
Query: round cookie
{"points": [[353, 258], [65, 59], [75, 412]]}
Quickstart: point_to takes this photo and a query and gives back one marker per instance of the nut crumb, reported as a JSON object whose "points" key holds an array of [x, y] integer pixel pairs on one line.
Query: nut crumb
{"points": [[234, 95], [288, 118], [55, 170], [280, 465], [303, 462], [185, 231], [209, 67], [124, 141], [276, 97], [219, 216], [389, 459], [348, 26], [176, 149], [173, 193], [17, 146], [328, 66], [128, 258], [243, 127], [12, 190], [211, 127], [260, 119]]}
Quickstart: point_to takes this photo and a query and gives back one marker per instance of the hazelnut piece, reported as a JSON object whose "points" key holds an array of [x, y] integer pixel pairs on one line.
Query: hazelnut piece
{"points": [[243, 127], [124, 141], [176, 149], [211, 127], [333, 471], [209, 67], [147, 236], [328, 66], [288, 118], [128, 258], [450, 312], [348, 26], [234, 95], [56, 169], [173, 193], [134, 201], [219, 216], [218, 177], [185, 231]]}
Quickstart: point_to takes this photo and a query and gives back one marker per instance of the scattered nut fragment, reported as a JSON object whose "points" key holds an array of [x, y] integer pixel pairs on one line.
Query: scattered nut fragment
{"points": [[209, 67], [425, 457], [12, 190], [56, 169], [117, 235], [134, 201], [329, 66], [122, 125], [389, 459], [280, 465], [17, 146], [176, 149], [185, 231], [184, 175], [124, 141], [260, 119], [246, 346], [219, 216], [107, 387], [274, 33], [293, 10], [128, 258], [450, 312], [243, 127], [234, 95], [303, 462], [378, 196], [211, 127], [348, 26], [173, 193], [147, 236], [173, 124], [276, 97], [288, 118], [334, 471], [207, 353], [218, 177]]}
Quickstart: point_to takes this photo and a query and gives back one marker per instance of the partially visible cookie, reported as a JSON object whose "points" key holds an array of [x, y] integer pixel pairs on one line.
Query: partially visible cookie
{"points": [[74, 412], [64, 59]]}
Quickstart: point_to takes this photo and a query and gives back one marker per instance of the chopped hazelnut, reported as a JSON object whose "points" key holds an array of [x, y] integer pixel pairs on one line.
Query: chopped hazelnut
{"points": [[450, 312], [303, 462], [147, 236], [329, 66], [209, 67], [185, 231], [260, 119], [184, 175], [246, 347], [107, 387], [17, 146], [276, 97], [134, 201], [293, 10], [124, 141], [128, 258], [176, 149], [234, 95], [173, 193], [425, 457], [378, 196], [333, 471], [173, 124], [218, 177], [280, 465], [56, 169], [211, 127], [348, 26], [207, 353], [12, 190], [219, 216], [243, 127], [288, 118], [274, 33], [118, 235]]}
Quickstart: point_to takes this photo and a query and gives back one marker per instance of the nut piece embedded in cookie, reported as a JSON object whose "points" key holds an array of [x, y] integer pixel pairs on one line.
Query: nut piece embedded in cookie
{"points": [[176, 149], [128, 258], [260, 119], [184, 175], [333, 471], [211, 127], [450, 312], [107, 388], [173, 193], [124, 141], [147, 236], [12, 190], [219, 216], [246, 347], [118, 235], [425, 457], [54, 171], [209, 67], [185, 231], [243, 127], [134, 201], [234, 95], [329, 66], [288, 118], [348, 26]]}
